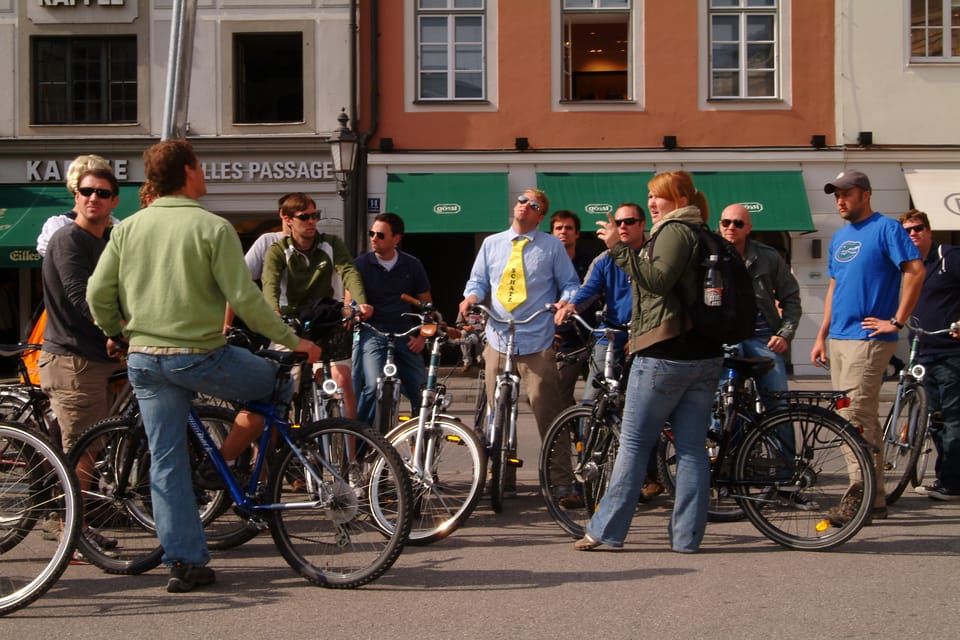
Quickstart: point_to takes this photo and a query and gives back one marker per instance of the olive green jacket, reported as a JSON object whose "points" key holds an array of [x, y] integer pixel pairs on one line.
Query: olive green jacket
{"points": [[658, 274]]}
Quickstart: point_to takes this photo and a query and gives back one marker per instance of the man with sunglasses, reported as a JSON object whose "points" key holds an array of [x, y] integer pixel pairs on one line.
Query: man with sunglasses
{"points": [[307, 266], [548, 277], [875, 279], [388, 273], [74, 364], [939, 302], [774, 286]]}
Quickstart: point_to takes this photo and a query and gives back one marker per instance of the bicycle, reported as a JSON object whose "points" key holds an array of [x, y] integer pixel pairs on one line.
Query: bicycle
{"points": [[443, 456], [589, 434], [331, 533], [35, 483], [906, 431], [500, 433], [24, 402]]}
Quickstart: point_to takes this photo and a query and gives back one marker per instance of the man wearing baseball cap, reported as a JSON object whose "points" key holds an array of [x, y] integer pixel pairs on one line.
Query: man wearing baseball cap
{"points": [[876, 275]]}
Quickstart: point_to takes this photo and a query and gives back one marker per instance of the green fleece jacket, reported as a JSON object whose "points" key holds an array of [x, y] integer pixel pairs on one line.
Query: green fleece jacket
{"points": [[166, 275], [659, 276]]}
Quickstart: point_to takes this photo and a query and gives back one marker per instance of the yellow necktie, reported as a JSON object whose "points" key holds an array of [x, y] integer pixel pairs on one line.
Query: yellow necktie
{"points": [[513, 287]]}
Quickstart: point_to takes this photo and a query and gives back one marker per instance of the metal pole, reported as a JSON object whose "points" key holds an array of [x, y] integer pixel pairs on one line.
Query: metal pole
{"points": [[182, 22]]}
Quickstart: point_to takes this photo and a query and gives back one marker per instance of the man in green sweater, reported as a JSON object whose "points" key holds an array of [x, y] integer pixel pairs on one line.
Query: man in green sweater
{"points": [[161, 285]]}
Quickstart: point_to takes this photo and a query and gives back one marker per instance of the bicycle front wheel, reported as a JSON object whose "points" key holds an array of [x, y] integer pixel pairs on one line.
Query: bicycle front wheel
{"points": [[386, 410], [347, 522], [497, 450], [565, 441], [903, 438], [449, 487], [815, 499], [35, 484]]}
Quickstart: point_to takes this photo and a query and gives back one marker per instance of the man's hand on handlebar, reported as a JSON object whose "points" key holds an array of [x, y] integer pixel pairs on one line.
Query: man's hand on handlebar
{"points": [[310, 348]]}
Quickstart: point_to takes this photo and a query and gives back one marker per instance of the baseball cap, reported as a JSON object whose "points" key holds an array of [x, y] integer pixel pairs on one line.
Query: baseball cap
{"points": [[848, 180]]}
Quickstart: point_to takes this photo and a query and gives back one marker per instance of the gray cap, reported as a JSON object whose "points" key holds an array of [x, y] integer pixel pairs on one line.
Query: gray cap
{"points": [[848, 180]]}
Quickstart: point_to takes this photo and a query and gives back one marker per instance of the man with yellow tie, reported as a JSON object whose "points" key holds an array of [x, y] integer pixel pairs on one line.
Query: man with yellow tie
{"points": [[519, 271]]}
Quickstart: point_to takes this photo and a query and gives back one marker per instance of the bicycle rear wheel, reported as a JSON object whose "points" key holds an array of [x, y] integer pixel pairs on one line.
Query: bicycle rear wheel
{"points": [[903, 436], [447, 493], [566, 440], [334, 533], [795, 501], [722, 507], [35, 484]]}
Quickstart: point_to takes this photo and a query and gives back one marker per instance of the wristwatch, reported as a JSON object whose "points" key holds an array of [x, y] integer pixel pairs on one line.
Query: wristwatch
{"points": [[893, 321]]}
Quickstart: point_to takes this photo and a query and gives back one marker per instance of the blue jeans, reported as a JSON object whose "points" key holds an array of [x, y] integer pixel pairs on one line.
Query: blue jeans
{"points": [[369, 355], [773, 380], [943, 390], [680, 391], [165, 386]]}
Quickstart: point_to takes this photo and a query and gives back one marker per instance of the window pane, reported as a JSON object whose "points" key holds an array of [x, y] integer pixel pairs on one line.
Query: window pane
{"points": [[761, 3], [726, 56], [469, 85], [577, 4], [433, 4], [614, 4], [760, 84], [433, 85], [433, 29], [468, 4], [433, 58], [596, 60], [469, 57], [726, 28], [468, 29], [268, 77], [956, 42], [760, 56], [934, 13], [726, 84], [722, 4], [760, 28]]}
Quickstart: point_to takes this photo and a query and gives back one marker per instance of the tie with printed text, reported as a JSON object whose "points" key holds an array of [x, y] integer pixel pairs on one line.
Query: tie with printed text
{"points": [[513, 287]]}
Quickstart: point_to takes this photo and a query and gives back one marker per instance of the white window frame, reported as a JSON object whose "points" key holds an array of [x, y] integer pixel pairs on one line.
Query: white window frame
{"points": [[783, 69], [743, 11], [451, 12], [947, 36], [634, 101]]}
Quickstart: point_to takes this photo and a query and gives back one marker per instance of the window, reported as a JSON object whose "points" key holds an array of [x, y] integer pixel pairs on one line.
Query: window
{"points": [[450, 50], [84, 80], [935, 30], [596, 50], [744, 49], [268, 77]]}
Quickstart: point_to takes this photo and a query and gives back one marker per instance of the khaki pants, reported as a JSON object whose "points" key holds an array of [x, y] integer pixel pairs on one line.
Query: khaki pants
{"points": [[859, 365], [78, 390]]}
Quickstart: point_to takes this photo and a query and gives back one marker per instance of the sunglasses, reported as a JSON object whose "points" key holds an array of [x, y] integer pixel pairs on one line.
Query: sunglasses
{"points": [[726, 222], [629, 222], [379, 234], [303, 217], [103, 194], [533, 203], [917, 228]]}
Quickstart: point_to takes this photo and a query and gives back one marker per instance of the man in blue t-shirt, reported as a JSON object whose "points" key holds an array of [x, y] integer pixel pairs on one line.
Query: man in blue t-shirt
{"points": [[387, 273], [875, 279]]}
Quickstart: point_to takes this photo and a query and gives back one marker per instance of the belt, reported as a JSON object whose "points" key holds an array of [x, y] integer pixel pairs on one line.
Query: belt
{"points": [[167, 351]]}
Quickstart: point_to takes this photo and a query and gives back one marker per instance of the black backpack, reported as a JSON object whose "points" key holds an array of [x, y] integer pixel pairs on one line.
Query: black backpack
{"points": [[734, 320]]}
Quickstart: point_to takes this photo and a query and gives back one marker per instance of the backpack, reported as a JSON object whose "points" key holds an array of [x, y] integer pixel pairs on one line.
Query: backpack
{"points": [[733, 321]]}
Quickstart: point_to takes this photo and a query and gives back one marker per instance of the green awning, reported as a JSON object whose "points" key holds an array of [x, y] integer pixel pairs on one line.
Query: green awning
{"points": [[593, 195], [777, 200], [449, 202], [24, 209]]}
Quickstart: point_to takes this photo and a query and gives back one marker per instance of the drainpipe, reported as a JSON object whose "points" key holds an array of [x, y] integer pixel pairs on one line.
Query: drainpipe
{"points": [[358, 242]]}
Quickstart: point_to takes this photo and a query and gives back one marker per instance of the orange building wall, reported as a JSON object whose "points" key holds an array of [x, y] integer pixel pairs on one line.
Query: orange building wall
{"points": [[669, 90]]}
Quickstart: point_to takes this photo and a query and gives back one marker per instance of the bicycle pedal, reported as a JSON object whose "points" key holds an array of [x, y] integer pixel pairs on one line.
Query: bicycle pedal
{"points": [[515, 462], [454, 439]]}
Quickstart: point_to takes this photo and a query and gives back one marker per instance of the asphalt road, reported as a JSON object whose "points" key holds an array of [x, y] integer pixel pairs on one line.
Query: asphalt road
{"points": [[516, 575]]}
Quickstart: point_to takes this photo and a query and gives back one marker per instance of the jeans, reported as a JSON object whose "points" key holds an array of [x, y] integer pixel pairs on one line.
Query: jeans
{"points": [[772, 381], [165, 386], [369, 355], [660, 390], [943, 390]]}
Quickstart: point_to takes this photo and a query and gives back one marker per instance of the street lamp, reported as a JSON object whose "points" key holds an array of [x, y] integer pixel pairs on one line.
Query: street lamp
{"points": [[343, 148]]}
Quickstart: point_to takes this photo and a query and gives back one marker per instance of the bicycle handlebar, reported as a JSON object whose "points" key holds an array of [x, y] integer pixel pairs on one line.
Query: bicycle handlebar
{"points": [[914, 325], [511, 320]]}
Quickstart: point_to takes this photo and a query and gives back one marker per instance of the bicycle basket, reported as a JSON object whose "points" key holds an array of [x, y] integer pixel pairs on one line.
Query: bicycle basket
{"points": [[323, 322]]}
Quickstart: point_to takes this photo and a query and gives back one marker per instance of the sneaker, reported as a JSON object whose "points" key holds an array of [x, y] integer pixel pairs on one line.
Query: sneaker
{"points": [[78, 559], [849, 503], [568, 498], [184, 577], [99, 540], [943, 494], [926, 489], [52, 526]]}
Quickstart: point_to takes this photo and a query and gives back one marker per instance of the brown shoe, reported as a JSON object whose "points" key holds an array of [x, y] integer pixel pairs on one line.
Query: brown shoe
{"points": [[651, 489]]}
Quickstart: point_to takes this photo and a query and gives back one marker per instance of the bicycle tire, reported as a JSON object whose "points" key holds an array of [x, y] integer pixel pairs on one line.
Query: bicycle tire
{"points": [[497, 451], [903, 436], [358, 533], [35, 481], [923, 461], [791, 501], [723, 507], [450, 489], [386, 410]]}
